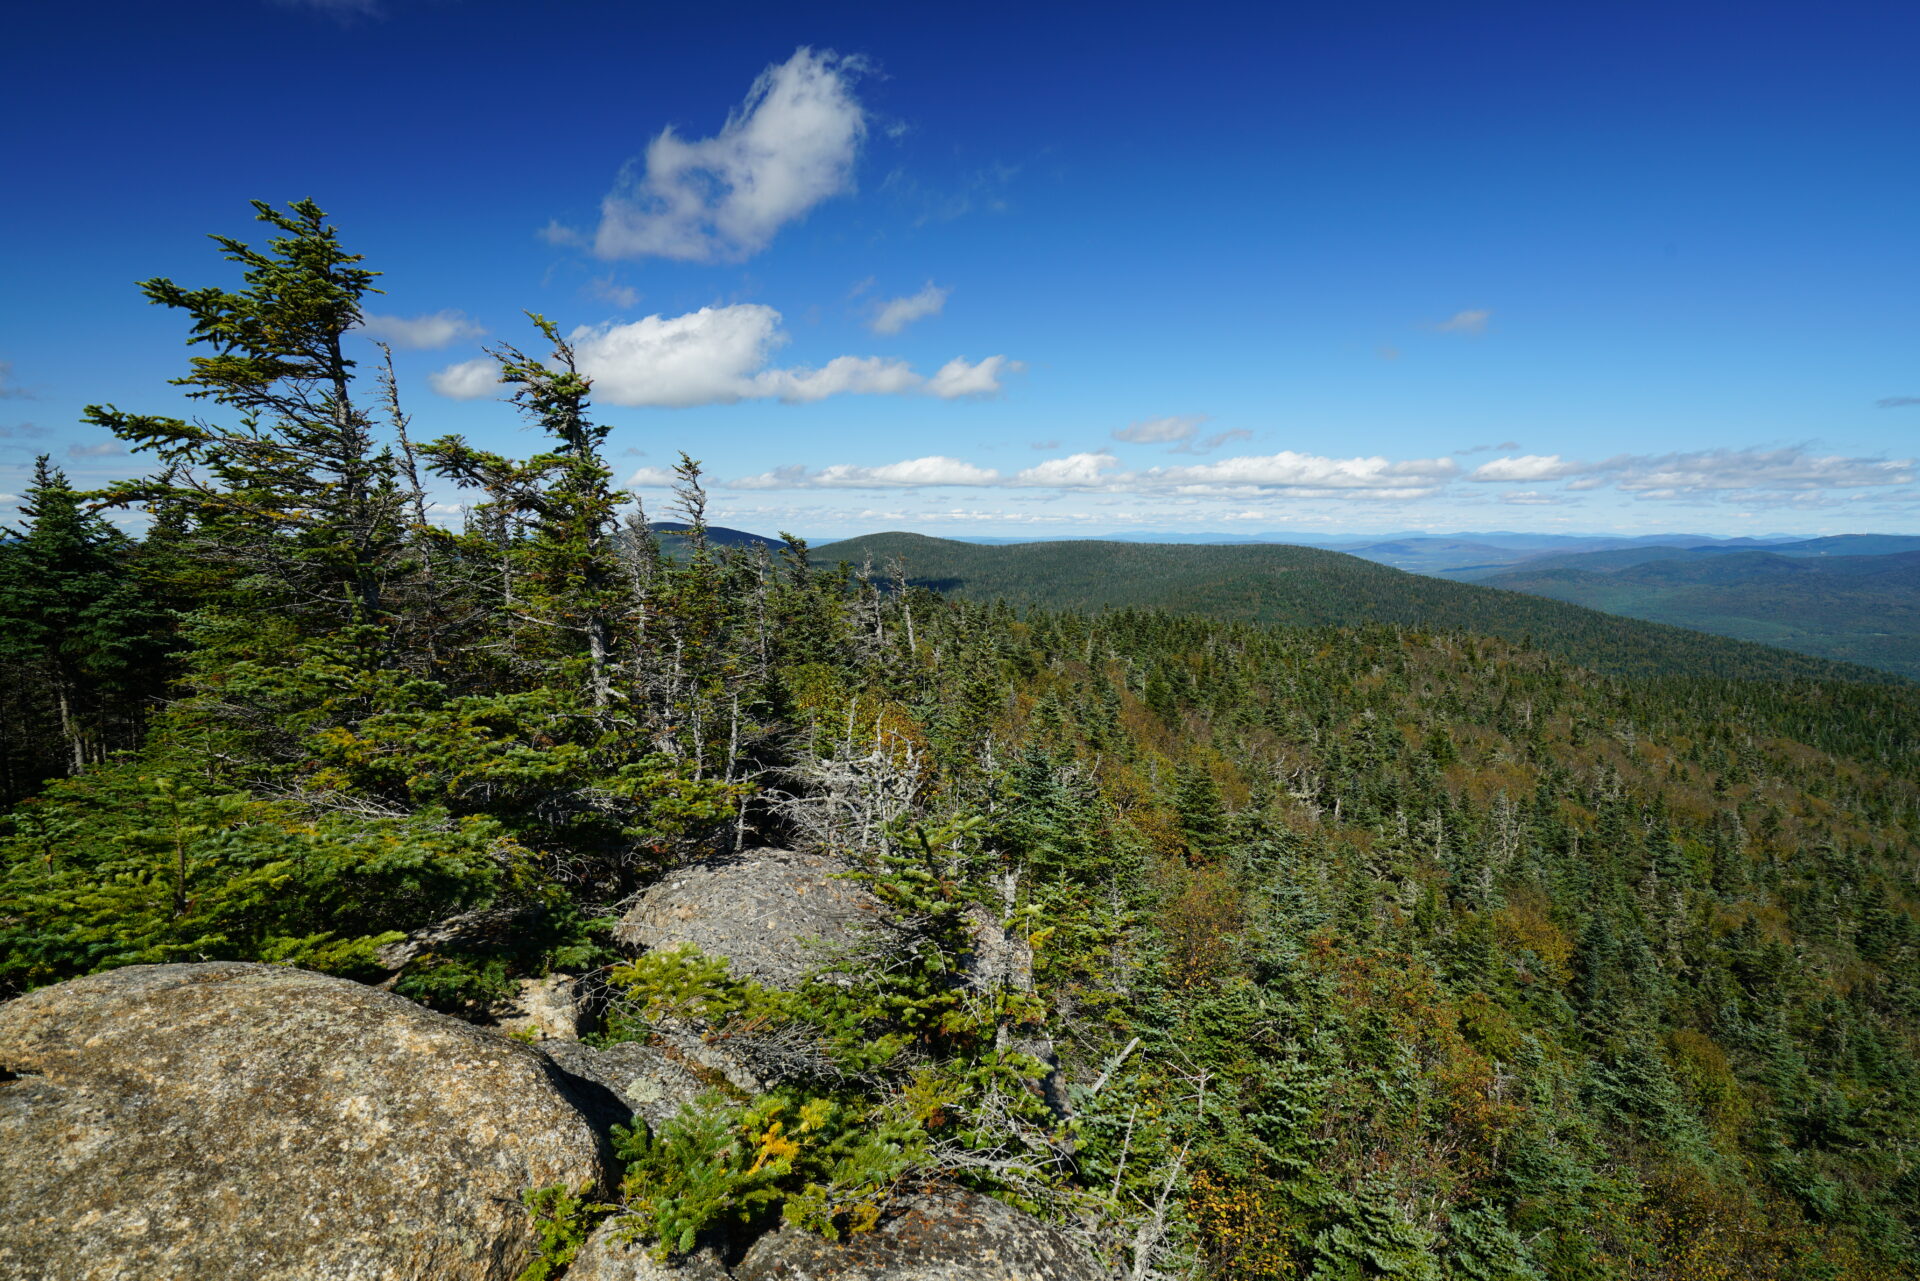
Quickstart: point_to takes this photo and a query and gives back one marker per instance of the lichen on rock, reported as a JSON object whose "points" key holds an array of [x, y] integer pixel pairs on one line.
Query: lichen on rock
{"points": [[774, 914], [648, 1083], [232, 1120], [605, 1257]]}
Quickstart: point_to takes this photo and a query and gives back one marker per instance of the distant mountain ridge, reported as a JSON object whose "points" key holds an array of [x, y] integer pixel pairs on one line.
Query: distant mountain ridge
{"points": [[1852, 597], [717, 534], [1269, 583]]}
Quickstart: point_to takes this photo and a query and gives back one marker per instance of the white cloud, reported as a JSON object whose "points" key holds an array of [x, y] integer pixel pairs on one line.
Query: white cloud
{"points": [[1471, 324], [1534, 498], [913, 473], [957, 378], [719, 355], [651, 478], [1287, 473], [703, 357], [1308, 473], [468, 380], [1074, 471], [421, 333], [1534, 467], [1706, 472], [790, 145], [1160, 431], [895, 314], [841, 376], [1756, 469], [104, 449]]}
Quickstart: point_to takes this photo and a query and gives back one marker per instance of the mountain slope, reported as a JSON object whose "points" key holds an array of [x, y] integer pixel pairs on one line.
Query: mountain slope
{"points": [[1861, 609], [1309, 587], [1607, 560]]}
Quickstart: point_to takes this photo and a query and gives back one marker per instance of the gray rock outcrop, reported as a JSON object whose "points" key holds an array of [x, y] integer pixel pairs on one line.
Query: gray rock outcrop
{"points": [[774, 914], [604, 1258], [955, 1236], [250, 1121], [645, 1080], [545, 1009]]}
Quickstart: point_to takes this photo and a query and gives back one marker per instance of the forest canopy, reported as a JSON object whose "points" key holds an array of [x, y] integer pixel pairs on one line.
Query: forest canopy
{"points": [[1368, 948]]}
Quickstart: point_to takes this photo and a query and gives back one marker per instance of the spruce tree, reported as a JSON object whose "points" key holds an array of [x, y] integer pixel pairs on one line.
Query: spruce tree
{"points": [[295, 496], [78, 629]]}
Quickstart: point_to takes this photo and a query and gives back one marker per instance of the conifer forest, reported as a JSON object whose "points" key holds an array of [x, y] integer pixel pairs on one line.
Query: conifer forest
{"points": [[1360, 948]]}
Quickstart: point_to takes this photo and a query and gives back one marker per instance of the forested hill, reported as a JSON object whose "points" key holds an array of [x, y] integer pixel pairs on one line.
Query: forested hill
{"points": [[1237, 952], [1305, 586], [1859, 608]]}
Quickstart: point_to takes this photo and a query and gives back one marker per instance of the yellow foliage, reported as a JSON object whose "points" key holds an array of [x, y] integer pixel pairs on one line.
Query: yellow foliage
{"points": [[1243, 1233]]}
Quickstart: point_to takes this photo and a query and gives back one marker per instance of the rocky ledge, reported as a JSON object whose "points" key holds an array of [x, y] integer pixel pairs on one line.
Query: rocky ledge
{"points": [[228, 1120]]}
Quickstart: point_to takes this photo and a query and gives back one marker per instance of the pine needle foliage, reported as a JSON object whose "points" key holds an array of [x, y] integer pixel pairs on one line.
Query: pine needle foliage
{"points": [[1363, 944]]}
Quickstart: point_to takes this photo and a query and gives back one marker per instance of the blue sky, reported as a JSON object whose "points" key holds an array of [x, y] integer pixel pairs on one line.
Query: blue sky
{"points": [[1048, 271]]}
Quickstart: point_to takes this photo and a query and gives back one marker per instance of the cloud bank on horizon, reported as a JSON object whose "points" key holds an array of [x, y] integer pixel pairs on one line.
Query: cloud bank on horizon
{"points": [[1766, 478]]}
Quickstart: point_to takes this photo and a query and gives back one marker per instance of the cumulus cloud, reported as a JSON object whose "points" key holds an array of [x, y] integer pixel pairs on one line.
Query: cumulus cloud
{"points": [[1160, 431], [704, 357], [1534, 467], [720, 355], [1470, 324], [651, 478], [468, 380], [1075, 471], [790, 145], [933, 471], [102, 449], [958, 378], [841, 376], [421, 333], [895, 314]]}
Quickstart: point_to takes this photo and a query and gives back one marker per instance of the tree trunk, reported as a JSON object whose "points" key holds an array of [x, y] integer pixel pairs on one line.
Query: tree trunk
{"points": [[70, 729]]}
